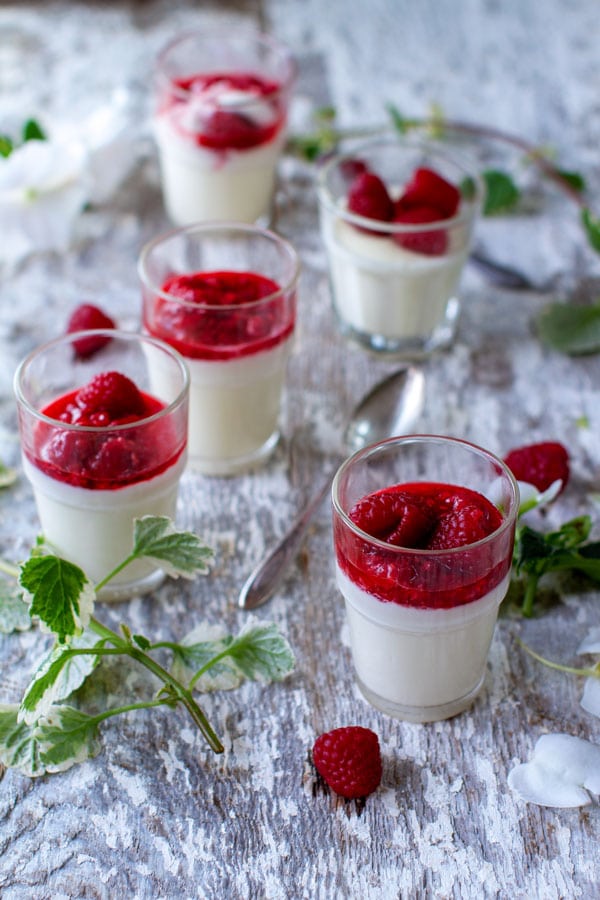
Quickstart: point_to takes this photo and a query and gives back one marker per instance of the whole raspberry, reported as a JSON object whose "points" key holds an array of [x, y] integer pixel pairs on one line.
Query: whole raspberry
{"points": [[432, 242], [540, 464], [368, 197], [349, 760], [109, 396], [427, 188], [83, 318]]}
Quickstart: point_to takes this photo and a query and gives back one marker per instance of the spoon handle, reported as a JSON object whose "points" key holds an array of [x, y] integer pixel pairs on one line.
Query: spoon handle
{"points": [[262, 583]]}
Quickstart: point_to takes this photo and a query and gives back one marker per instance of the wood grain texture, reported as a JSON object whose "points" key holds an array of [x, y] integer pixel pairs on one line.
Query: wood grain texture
{"points": [[156, 815]]}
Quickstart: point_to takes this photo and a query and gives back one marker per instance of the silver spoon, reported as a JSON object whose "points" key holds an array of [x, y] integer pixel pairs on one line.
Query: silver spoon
{"points": [[392, 407]]}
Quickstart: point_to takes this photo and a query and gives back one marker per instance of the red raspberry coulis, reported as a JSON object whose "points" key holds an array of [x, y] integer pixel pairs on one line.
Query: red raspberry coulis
{"points": [[220, 317], [424, 516], [235, 129], [105, 459]]}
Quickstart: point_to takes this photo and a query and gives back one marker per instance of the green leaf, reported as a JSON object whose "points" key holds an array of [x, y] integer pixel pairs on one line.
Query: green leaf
{"points": [[59, 674], [32, 131], [570, 329], [258, 653], [66, 736], [591, 225], [142, 642], [573, 179], [177, 552], [6, 146], [399, 122], [61, 594], [7, 476], [14, 615], [18, 744], [501, 194]]}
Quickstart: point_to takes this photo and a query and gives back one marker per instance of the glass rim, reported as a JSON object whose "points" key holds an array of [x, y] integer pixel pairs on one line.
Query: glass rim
{"points": [[113, 333], [327, 199], [258, 37], [219, 227], [508, 520]]}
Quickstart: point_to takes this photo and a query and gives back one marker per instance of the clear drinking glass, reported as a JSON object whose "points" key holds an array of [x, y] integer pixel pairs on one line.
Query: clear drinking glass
{"points": [[395, 284], [220, 120], [91, 481], [198, 290], [421, 620]]}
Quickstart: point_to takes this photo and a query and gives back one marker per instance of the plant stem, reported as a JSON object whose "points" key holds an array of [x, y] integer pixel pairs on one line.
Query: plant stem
{"points": [[183, 694], [529, 598], [9, 569], [572, 670], [130, 707]]}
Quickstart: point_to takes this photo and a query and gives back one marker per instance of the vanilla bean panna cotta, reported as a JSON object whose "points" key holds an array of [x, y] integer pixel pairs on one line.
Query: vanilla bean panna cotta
{"points": [[101, 447], [220, 119], [224, 296], [423, 534], [397, 218]]}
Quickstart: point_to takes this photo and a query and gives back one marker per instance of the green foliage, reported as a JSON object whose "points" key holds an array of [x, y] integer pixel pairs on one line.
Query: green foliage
{"points": [[574, 330]]}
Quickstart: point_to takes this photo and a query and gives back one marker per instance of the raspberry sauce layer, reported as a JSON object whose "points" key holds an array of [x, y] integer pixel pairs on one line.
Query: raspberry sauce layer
{"points": [[255, 117], [111, 456], [223, 315], [446, 526]]}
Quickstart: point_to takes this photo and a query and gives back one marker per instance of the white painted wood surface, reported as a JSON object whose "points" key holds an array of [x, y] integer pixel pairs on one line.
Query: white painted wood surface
{"points": [[156, 815]]}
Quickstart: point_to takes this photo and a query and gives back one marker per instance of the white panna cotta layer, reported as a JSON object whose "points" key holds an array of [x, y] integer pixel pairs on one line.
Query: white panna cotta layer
{"points": [[94, 528], [200, 184], [380, 288], [415, 661], [234, 407]]}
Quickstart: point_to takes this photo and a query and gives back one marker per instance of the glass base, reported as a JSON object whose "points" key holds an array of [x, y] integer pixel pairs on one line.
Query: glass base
{"points": [[421, 714], [415, 347], [115, 593], [234, 465]]}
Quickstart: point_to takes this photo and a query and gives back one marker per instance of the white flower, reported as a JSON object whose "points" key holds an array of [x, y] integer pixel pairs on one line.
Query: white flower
{"points": [[562, 772], [591, 689], [43, 188]]}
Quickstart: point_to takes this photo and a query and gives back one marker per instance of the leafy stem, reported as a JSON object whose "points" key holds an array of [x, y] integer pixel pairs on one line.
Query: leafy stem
{"points": [[571, 670]]}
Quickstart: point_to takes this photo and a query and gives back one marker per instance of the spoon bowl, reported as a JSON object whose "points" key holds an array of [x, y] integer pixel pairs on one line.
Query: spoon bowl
{"points": [[389, 409]]}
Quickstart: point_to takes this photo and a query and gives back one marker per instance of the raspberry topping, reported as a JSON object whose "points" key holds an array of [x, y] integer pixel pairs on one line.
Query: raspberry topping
{"points": [[368, 197], [540, 464], [349, 760], [256, 120], [424, 516], [109, 398], [106, 458], [427, 188], [429, 243], [220, 317], [83, 318]]}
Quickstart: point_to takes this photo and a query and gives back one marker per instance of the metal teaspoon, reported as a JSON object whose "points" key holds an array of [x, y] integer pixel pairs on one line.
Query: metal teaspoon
{"points": [[392, 407]]}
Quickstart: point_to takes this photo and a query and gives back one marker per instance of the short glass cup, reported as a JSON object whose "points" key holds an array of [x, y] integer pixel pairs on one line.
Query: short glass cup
{"points": [[395, 284], [236, 348], [220, 120], [421, 621], [91, 481]]}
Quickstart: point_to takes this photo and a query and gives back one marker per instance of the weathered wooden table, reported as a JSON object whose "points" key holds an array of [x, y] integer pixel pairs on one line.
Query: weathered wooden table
{"points": [[156, 814]]}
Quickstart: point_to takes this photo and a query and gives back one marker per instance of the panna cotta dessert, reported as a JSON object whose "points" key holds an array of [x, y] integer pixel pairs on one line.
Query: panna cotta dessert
{"points": [[224, 297], [423, 567], [397, 220], [99, 451], [220, 124]]}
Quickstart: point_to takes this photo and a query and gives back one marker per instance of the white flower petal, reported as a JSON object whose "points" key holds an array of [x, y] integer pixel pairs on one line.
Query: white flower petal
{"points": [[561, 772], [590, 699], [531, 498], [591, 643]]}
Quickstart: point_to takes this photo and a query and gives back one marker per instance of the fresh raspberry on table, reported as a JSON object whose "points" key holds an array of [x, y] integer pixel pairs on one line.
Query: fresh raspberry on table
{"points": [[369, 197], [540, 464], [349, 760], [83, 318], [110, 395]]}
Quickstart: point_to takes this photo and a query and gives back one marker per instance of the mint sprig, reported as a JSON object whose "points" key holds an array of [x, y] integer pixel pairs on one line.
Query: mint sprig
{"points": [[565, 550], [42, 734], [570, 329]]}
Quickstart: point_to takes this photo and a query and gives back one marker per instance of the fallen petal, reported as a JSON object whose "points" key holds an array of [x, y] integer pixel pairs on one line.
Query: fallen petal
{"points": [[591, 643], [561, 772], [590, 699]]}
